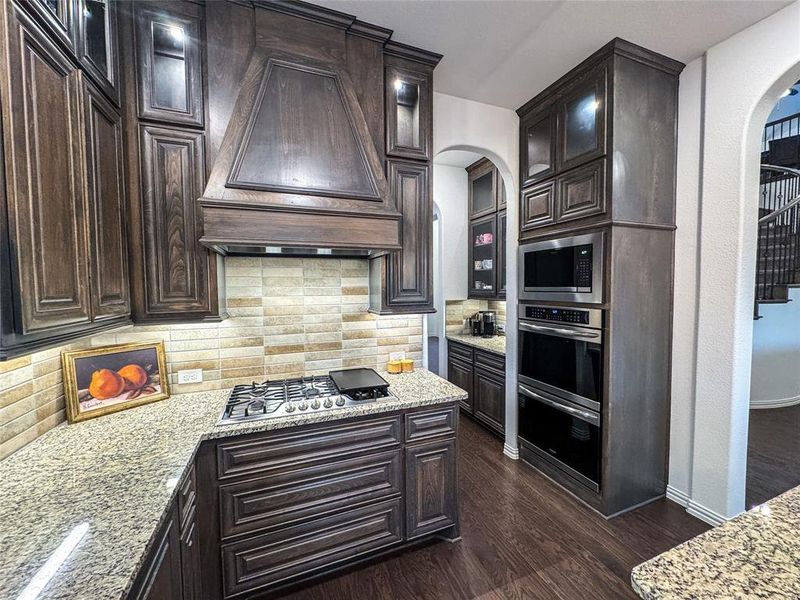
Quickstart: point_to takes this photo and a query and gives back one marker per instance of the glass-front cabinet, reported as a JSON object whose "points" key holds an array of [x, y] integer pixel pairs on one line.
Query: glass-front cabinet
{"points": [[483, 257], [408, 111], [97, 45], [582, 123], [538, 147], [482, 189], [502, 223], [168, 58]]}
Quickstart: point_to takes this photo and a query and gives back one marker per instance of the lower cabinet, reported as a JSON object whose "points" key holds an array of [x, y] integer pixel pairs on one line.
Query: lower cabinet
{"points": [[482, 375], [161, 576], [283, 507], [430, 488]]}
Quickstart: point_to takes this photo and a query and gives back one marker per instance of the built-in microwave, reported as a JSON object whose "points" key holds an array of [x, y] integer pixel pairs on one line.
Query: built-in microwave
{"points": [[566, 269]]}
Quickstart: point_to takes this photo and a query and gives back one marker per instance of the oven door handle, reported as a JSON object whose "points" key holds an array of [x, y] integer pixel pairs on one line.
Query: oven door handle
{"points": [[584, 415], [573, 333]]}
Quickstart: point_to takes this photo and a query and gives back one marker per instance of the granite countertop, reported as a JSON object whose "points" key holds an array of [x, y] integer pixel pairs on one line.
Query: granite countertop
{"points": [[103, 486], [754, 555], [496, 344]]}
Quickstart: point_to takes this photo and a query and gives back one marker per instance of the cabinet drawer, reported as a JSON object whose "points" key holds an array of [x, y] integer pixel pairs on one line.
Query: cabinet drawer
{"points": [[292, 449], [430, 423], [274, 558], [461, 351], [490, 361], [294, 496]]}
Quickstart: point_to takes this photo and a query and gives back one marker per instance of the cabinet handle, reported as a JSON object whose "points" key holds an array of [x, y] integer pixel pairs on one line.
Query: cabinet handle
{"points": [[584, 415]]}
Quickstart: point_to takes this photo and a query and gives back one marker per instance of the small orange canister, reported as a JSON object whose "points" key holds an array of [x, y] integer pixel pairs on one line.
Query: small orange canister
{"points": [[394, 366], [408, 365]]}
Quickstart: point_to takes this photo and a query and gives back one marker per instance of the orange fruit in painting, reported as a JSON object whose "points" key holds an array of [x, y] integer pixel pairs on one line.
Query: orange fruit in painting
{"points": [[135, 376], [106, 384]]}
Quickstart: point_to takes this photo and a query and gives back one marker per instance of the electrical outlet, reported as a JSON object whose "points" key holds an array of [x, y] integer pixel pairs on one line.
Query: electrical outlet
{"points": [[190, 376], [397, 355]]}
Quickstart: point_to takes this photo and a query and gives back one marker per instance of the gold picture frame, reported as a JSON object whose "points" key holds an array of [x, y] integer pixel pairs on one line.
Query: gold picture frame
{"points": [[105, 380]]}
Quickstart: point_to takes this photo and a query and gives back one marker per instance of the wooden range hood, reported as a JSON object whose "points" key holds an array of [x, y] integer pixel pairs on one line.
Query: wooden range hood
{"points": [[298, 170]]}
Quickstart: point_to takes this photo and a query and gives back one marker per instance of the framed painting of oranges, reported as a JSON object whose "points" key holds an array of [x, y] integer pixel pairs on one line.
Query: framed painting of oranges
{"points": [[105, 380]]}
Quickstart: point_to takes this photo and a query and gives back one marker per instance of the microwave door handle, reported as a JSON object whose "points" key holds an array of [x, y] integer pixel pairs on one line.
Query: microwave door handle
{"points": [[585, 415], [559, 331]]}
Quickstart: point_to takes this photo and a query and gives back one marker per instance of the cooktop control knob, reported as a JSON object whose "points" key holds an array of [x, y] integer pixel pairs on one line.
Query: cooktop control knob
{"points": [[315, 404], [340, 401], [303, 405], [328, 403], [290, 408]]}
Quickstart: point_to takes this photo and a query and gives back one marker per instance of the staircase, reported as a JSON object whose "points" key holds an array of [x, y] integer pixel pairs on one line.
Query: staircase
{"points": [[778, 235]]}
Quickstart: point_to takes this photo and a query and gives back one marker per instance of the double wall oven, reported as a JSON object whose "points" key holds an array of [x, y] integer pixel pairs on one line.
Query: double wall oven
{"points": [[561, 355]]}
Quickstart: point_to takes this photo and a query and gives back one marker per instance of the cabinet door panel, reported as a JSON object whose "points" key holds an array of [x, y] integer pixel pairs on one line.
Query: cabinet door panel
{"points": [[430, 488], [483, 257], [106, 200], [58, 17], [538, 206], [45, 182], [160, 576], [490, 399], [172, 179], [502, 232], [482, 190], [409, 110], [97, 44], [169, 78], [582, 192], [582, 123], [409, 274], [538, 147], [460, 373]]}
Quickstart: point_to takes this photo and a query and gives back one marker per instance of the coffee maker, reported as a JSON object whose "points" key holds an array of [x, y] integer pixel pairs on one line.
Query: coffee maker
{"points": [[484, 323]]}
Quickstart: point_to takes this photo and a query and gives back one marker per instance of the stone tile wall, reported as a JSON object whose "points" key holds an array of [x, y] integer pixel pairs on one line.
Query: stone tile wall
{"points": [[288, 317], [457, 311]]}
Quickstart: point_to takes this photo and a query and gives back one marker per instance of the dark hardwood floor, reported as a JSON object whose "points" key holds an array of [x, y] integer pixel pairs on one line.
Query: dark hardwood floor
{"points": [[522, 537], [773, 453]]}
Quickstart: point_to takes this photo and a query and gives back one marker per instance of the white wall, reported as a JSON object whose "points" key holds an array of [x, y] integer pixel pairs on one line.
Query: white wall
{"points": [[775, 379], [743, 78], [491, 131], [450, 190]]}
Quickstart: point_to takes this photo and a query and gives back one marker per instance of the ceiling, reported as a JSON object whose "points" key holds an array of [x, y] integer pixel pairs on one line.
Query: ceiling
{"points": [[504, 52]]}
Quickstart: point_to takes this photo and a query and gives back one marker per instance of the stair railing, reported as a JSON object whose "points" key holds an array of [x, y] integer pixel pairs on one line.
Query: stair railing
{"points": [[778, 234]]}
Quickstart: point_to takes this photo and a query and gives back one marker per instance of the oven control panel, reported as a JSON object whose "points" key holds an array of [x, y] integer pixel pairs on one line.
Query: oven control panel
{"points": [[560, 315]]}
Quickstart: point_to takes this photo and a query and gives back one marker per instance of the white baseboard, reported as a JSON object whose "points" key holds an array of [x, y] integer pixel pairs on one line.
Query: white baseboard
{"points": [[677, 496], [705, 514], [510, 452], [777, 403]]}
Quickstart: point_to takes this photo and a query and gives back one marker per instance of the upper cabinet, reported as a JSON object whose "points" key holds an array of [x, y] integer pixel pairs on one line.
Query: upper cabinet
{"points": [[409, 110], [57, 19], [169, 74], [63, 196], [487, 232], [97, 44], [598, 145]]}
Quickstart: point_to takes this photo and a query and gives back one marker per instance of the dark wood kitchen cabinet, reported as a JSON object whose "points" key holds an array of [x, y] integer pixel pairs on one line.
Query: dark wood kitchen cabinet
{"points": [[62, 174], [482, 374], [58, 20], [96, 44], [106, 202], [280, 508], [487, 228], [173, 277], [598, 145], [402, 281], [160, 577]]}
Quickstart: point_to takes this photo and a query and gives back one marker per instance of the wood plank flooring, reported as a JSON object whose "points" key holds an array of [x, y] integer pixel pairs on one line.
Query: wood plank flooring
{"points": [[773, 453], [523, 537]]}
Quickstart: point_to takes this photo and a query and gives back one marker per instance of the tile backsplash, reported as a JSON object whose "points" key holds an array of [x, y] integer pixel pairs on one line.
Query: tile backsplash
{"points": [[456, 311], [288, 317]]}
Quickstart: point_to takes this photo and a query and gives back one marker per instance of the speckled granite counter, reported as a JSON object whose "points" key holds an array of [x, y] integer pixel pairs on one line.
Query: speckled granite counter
{"points": [[105, 485], [755, 555], [496, 344]]}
